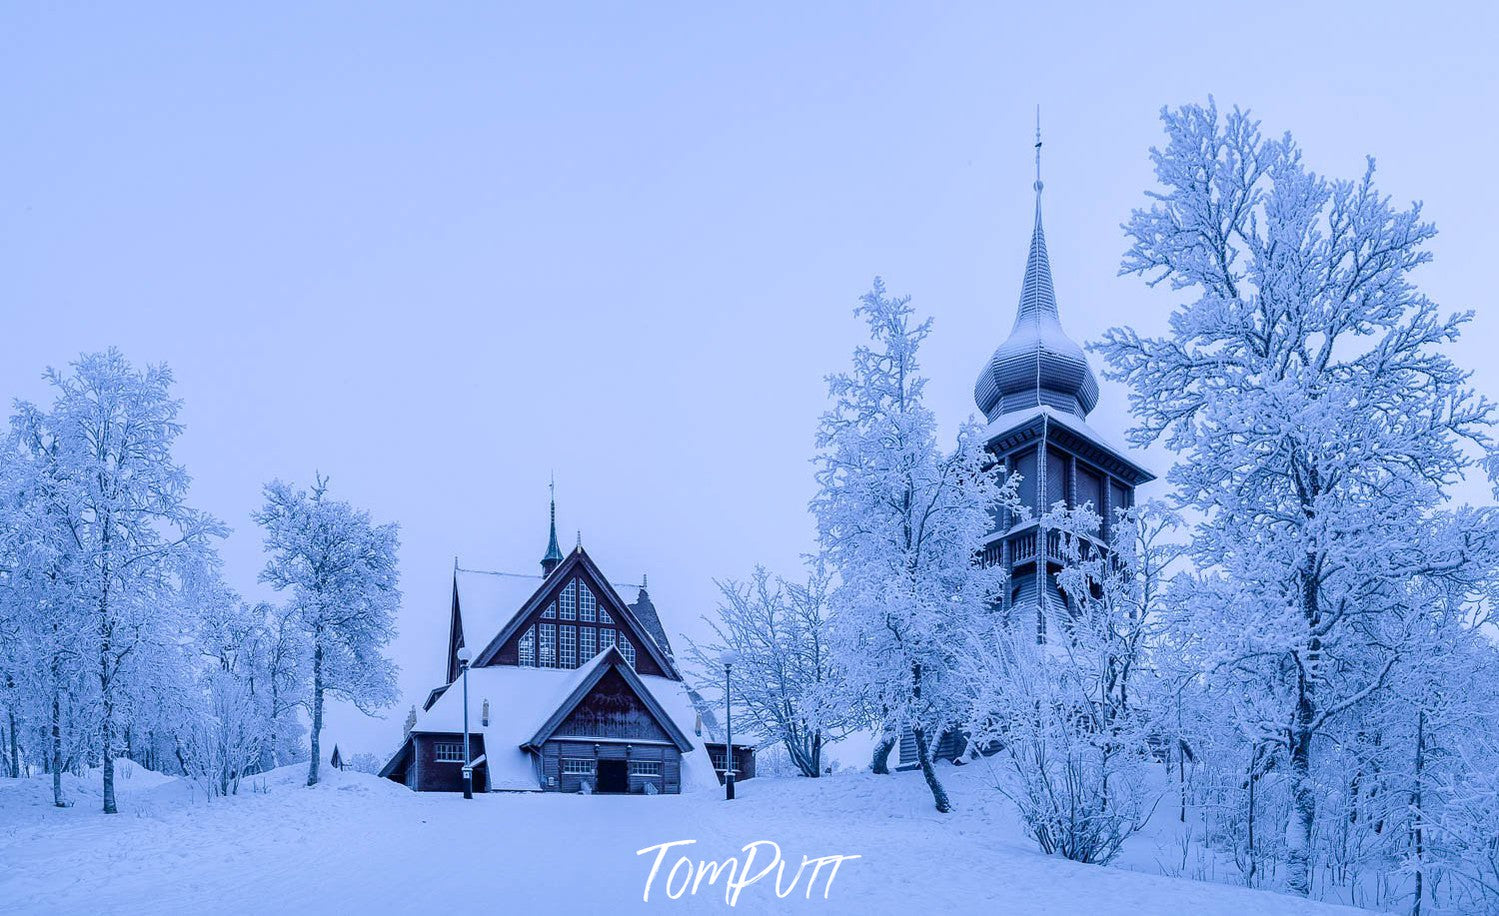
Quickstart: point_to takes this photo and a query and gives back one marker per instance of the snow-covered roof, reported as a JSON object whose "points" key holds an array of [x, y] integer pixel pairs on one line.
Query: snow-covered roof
{"points": [[1007, 423], [488, 600], [1038, 363], [522, 699]]}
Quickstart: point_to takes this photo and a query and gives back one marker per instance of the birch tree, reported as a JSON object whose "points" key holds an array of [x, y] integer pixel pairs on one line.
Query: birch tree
{"points": [[340, 569], [1317, 418], [900, 520], [111, 485], [786, 680]]}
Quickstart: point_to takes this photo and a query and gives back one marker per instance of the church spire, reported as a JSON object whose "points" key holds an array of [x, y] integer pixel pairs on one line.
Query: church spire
{"points": [[1039, 365], [554, 552]]}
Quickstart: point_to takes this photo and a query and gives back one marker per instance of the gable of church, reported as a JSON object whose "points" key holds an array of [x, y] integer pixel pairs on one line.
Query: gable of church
{"points": [[611, 710], [572, 618]]}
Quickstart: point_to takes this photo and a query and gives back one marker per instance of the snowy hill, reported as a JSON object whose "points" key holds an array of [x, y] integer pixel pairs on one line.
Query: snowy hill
{"points": [[357, 844]]}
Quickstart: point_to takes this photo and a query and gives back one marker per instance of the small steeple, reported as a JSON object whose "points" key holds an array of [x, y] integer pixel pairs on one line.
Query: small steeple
{"points": [[554, 552]]}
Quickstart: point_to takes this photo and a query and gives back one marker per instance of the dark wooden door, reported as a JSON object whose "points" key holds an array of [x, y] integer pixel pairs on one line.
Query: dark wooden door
{"points": [[613, 776]]}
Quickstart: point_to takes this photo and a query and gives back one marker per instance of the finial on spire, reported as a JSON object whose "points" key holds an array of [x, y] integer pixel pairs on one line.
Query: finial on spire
{"points": [[554, 552], [644, 580], [1038, 150], [579, 545]]}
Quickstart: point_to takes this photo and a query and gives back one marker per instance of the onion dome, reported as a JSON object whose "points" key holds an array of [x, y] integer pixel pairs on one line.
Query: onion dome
{"points": [[1039, 365]]}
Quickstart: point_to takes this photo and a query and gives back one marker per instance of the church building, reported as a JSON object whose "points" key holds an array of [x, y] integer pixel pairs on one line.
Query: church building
{"points": [[570, 689], [1036, 392]]}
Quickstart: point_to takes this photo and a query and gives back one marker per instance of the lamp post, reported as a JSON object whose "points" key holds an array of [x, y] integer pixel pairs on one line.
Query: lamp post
{"points": [[464, 656], [728, 657]]}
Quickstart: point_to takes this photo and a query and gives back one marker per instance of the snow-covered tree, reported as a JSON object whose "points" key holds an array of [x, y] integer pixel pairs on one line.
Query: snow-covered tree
{"points": [[900, 521], [106, 473], [1074, 720], [1318, 420], [785, 680], [341, 570]]}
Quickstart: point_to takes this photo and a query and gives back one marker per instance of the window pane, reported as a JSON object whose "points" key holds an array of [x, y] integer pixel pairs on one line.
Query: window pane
{"points": [[549, 645], [528, 648], [588, 645], [606, 639], [627, 650], [551, 612], [587, 600], [567, 601], [569, 646]]}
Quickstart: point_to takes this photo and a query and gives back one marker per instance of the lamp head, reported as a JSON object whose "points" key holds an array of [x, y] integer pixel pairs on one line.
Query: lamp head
{"points": [[728, 657], [465, 655]]}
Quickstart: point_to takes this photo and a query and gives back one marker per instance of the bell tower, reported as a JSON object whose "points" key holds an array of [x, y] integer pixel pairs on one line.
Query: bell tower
{"points": [[1036, 392]]}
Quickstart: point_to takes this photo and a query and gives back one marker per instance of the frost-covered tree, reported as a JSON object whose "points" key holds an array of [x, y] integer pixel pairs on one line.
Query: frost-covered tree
{"points": [[1073, 721], [106, 473], [1318, 421], [900, 521], [785, 681], [341, 570]]}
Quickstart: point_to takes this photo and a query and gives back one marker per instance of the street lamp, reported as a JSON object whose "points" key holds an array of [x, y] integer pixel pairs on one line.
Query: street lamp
{"points": [[728, 657], [464, 657]]}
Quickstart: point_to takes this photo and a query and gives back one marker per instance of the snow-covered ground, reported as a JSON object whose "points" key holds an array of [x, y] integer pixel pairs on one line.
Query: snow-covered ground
{"points": [[357, 844]]}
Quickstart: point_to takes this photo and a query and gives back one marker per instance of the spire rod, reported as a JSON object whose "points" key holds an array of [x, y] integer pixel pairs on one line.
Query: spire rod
{"points": [[1038, 149]]}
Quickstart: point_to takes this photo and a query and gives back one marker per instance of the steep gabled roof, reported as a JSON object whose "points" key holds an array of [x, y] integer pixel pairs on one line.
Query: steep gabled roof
{"points": [[587, 678], [578, 558]]}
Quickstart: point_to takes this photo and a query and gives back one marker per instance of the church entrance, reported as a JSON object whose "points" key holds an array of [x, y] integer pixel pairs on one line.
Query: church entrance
{"points": [[614, 777]]}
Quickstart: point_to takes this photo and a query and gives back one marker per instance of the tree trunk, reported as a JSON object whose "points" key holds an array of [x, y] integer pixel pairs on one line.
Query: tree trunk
{"points": [[816, 754], [1420, 837], [317, 709], [57, 750], [1303, 802], [15, 747], [106, 681], [939, 794], [880, 763]]}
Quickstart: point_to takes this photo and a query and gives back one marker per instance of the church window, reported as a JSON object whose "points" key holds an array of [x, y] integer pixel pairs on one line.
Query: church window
{"points": [[528, 648], [604, 617], [588, 645], [568, 602], [549, 645], [577, 766], [551, 612], [606, 639], [569, 646], [627, 650], [645, 768], [586, 600], [448, 752]]}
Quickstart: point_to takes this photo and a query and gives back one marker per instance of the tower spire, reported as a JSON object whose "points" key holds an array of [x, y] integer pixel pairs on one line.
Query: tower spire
{"points": [[1038, 365], [554, 552]]}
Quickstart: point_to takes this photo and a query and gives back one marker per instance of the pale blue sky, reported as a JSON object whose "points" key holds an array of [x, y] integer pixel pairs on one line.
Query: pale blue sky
{"points": [[438, 253]]}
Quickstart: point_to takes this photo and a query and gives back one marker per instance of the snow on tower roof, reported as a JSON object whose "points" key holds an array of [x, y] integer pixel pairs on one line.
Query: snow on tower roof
{"points": [[1038, 363]]}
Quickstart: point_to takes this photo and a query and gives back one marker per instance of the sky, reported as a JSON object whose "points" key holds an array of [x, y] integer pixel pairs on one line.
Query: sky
{"points": [[440, 253]]}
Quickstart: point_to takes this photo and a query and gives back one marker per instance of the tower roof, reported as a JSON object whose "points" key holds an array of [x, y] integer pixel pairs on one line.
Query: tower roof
{"points": [[554, 552], [1038, 364]]}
